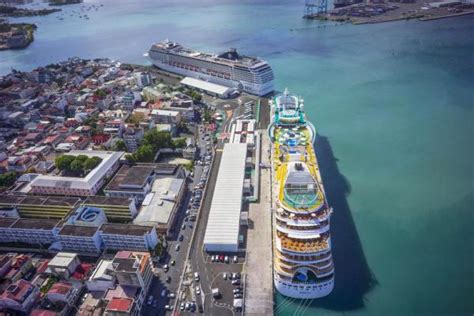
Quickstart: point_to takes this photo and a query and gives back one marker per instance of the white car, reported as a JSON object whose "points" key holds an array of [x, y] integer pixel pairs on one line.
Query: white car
{"points": [[198, 290], [236, 259], [181, 306]]}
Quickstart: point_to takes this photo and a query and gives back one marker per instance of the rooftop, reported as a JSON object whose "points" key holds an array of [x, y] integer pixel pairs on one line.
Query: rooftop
{"points": [[130, 178], [18, 200], [26, 223], [120, 305], [160, 202], [125, 229], [95, 175], [99, 200], [62, 259], [73, 230]]}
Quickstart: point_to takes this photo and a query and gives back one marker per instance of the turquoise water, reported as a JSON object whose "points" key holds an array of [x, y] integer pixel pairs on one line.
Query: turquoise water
{"points": [[394, 105]]}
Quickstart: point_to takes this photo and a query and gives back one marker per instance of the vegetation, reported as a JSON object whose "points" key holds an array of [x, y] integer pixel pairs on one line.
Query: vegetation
{"points": [[179, 142], [153, 141], [189, 166], [101, 93], [119, 146], [196, 96], [136, 118], [7, 179], [51, 280], [77, 165]]}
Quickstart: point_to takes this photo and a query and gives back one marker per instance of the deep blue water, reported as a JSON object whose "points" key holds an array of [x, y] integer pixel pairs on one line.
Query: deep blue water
{"points": [[393, 104]]}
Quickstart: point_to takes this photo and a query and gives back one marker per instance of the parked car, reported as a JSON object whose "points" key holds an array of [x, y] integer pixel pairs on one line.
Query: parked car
{"points": [[181, 238], [168, 279], [168, 308], [236, 282], [198, 290], [226, 259], [213, 258], [196, 276], [171, 295], [150, 300], [224, 276], [177, 247], [166, 268], [237, 295], [237, 290], [182, 306], [172, 262], [236, 259]]}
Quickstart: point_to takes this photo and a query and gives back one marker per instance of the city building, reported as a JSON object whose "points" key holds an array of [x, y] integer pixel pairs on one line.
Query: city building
{"points": [[143, 79], [166, 116], [33, 206], [131, 182], [19, 296], [102, 278], [79, 186], [119, 209], [81, 239], [129, 237], [63, 292], [63, 264], [160, 206], [34, 231], [132, 136]]}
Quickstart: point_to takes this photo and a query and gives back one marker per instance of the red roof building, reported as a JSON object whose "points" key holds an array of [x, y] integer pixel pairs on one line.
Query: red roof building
{"points": [[121, 306], [19, 296]]}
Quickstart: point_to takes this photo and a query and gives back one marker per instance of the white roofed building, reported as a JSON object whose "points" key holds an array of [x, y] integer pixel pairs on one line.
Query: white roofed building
{"points": [[222, 231], [79, 186]]}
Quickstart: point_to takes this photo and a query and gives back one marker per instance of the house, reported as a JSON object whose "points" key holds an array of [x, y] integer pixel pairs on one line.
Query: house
{"points": [[19, 296], [64, 264], [63, 292], [102, 278]]}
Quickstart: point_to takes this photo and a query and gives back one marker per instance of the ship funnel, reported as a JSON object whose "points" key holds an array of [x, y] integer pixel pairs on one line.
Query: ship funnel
{"points": [[286, 92]]}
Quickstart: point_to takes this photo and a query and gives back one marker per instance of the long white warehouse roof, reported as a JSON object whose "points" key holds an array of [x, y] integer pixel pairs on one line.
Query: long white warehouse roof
{"points": [[222, 231], [205, 85]]}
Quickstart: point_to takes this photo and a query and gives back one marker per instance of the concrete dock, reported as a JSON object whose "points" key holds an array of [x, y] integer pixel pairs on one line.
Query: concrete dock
{"points": [[259, 265]]}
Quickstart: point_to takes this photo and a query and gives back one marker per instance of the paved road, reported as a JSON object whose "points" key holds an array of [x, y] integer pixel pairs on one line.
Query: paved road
{"points": [[159, 283]]}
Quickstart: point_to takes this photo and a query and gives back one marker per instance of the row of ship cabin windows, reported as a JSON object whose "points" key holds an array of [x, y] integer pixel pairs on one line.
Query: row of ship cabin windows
{"points": [[302, 287]]}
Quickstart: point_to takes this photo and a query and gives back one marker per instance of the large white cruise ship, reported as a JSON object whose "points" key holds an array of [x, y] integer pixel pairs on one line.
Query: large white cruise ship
{"points": [[302, 259], [230, 69]]}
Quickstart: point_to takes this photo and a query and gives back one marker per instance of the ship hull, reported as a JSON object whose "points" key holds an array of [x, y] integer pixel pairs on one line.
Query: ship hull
{"points": [[294, 290], [257, 89]]}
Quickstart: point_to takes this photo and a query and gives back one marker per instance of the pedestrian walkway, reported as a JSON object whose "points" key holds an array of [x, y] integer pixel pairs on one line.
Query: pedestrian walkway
{"points": [[259, 267]]}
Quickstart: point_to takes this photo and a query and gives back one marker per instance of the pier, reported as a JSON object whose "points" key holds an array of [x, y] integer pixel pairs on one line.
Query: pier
{"points": [[259, 266]]}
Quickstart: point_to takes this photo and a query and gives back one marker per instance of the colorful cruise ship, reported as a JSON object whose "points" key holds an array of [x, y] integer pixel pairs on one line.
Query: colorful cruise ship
{"points": [[302, 259]]}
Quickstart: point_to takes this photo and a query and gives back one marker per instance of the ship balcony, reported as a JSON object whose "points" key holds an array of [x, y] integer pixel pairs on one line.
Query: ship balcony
{"points": [[303, 259], [291, 271], [312, 245], [319, 266], [301, 218], [301, 231]]}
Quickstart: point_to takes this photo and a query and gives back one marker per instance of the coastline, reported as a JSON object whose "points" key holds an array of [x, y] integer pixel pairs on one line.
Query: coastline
{"points": [[373, 13]]}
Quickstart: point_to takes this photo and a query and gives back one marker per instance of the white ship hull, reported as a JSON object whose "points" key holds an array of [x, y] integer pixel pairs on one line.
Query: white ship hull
{"points": [[252, 88], [295, 290]]}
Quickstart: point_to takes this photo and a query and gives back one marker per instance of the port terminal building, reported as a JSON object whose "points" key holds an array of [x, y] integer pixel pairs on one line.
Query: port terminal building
{"points": [[222, 231]]}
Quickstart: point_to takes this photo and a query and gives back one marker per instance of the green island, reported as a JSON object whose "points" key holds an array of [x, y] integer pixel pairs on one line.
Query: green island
{"points": [[16, 35]]}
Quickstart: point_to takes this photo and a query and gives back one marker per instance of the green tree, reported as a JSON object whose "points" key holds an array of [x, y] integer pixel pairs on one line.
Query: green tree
{"points": [[64, 162], [7, 179], [157, 139], [91, 163], [119, 145], [81, 158], [145, 153], [76, 166], [179, 143]]}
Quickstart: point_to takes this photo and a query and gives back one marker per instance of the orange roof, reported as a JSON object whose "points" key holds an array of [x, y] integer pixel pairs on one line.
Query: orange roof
{"points": [[120, 304]]}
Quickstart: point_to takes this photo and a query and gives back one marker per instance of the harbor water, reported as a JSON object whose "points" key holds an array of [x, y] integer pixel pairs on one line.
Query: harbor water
{"points": [[393, 105]]}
